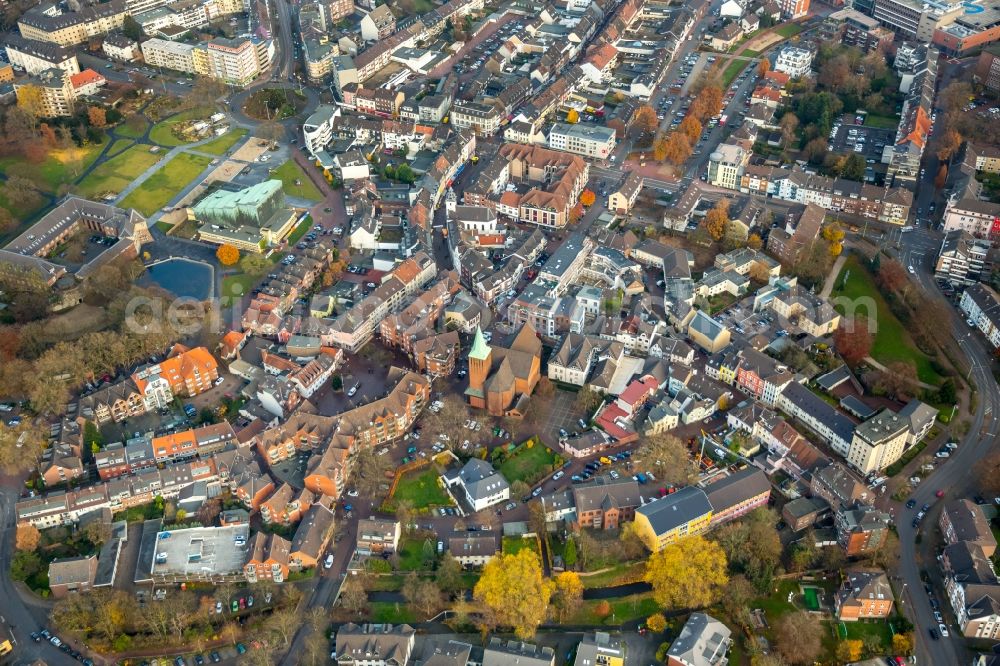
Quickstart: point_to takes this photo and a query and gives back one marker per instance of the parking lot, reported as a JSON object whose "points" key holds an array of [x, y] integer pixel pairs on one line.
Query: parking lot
{"points": [[869, 142]]}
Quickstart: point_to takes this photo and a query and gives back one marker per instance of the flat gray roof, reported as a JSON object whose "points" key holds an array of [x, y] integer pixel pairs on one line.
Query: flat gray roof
{"points": [[201, 551]]}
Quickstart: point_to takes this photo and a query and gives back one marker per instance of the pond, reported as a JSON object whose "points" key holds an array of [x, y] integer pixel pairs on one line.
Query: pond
{"points": [[182, 277]]}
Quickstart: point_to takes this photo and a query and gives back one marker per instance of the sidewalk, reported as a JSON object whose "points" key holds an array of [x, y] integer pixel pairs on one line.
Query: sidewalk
{"points": [[831, 277]]}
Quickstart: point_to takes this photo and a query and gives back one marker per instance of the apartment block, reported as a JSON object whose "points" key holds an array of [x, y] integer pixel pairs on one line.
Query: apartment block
{"points": [[878, 442], [582, 139]]}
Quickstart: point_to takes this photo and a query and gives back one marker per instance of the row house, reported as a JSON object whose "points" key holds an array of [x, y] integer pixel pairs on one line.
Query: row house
{"points": [[354, 328], [114, 403], [418, 319], [436, 355], [190, 443], [185, 372], [761, 376], [315, 373], [267, 558], [890, 204], [286, 505], [312, 537], [116, 494], [332, 438], [982, 307], [379, 101]]}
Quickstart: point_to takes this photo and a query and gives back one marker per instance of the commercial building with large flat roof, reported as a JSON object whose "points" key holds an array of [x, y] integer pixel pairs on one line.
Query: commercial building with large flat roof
{"points": [[200, 553]]}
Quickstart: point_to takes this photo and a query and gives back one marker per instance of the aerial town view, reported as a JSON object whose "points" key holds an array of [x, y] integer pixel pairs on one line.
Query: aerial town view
{"points": [[500, 332]]}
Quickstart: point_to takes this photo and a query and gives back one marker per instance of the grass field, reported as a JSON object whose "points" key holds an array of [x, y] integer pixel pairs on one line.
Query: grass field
{"points": [[412, 554], [223, 143], [115, 174], [515, 544], [126, 131], [288, 173], [623, 609], [119, 146], [58, 167], [528, 465], [422, 489], [237, 285], [882, 122], [892, 342], [387, 612], [788, 30], [618, 574], [300, 231], [157, 190], [732, 71], [162, 132]]}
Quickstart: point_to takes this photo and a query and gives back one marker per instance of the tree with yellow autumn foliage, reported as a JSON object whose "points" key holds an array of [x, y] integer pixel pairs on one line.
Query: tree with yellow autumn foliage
{"points": [[573, 116], [903, 643], [514, 593], [674, 148], [690, 573], [754, 242], [691, 128], [227, 255], [587, 198], [850, 650], [567, 591], [656, 623], [717, 219]]}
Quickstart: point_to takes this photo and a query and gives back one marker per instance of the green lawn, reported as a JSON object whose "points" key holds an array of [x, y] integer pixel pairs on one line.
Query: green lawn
{"points": [[412, 554], [58, 167], [528, 465], [422, 488], [164, 226], [875, 632], [164, 185], [513, 545], [162, 132], [882, 122], [237, 285], [126, 131], [892, 342], [220, 145], [623, 609], [616, 575], [115, 174], [20, 212], [300, 231], [119, 146], [732, 71], [288, 173], [387, 612], [788, 30], [776, 604]]}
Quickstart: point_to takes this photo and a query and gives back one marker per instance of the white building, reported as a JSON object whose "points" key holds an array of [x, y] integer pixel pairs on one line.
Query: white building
{"points": [[583, 139], [479, 484], [878, 442], [982, 307], [34, 57], [794, 61], [979, 218], [169, 55], [726, 164], [317, 130]]}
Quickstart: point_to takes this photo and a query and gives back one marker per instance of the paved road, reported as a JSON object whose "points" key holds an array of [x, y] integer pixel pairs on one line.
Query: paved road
{"points": [[20, 620], [953, 477]]}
